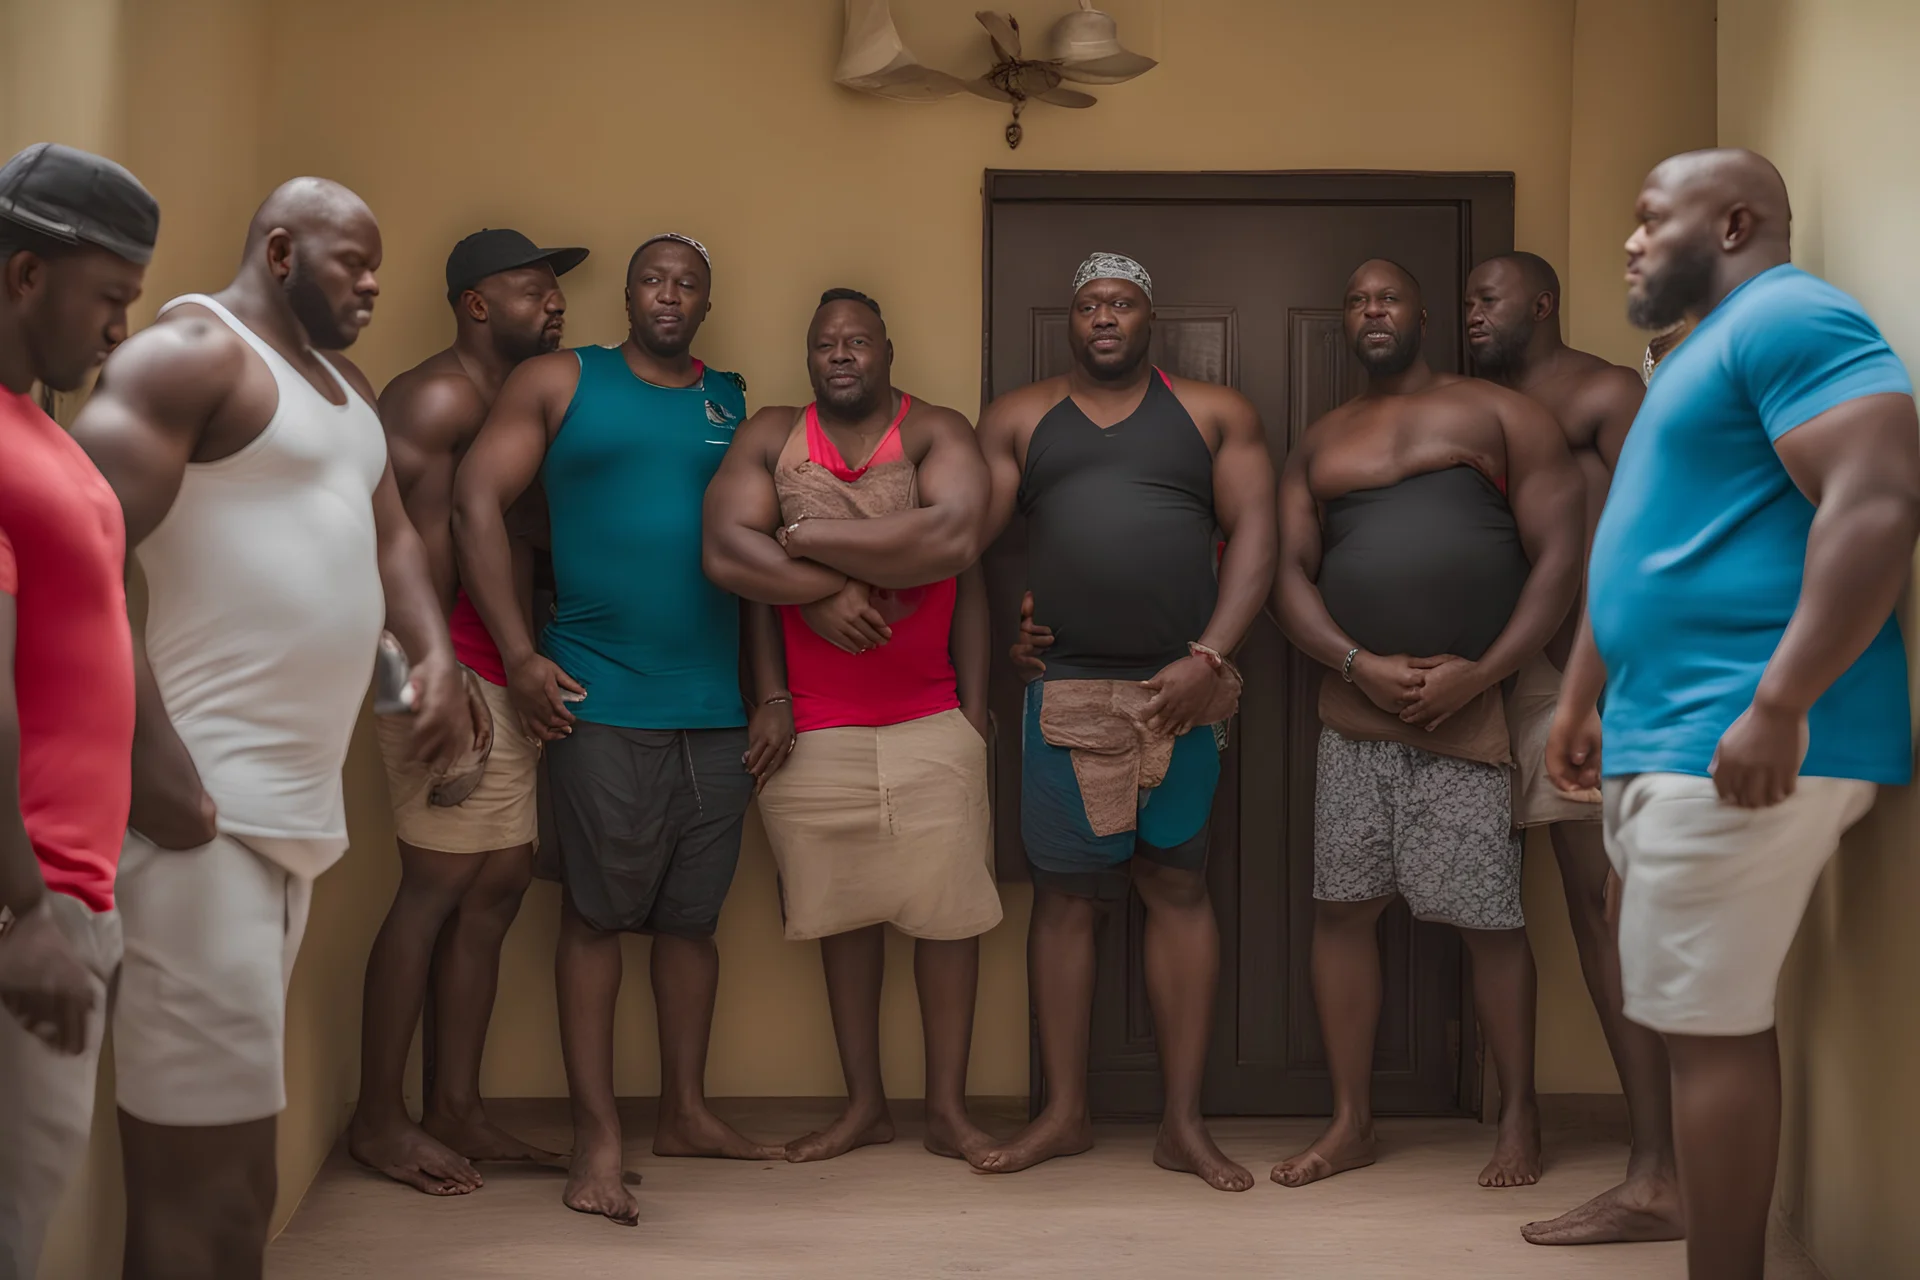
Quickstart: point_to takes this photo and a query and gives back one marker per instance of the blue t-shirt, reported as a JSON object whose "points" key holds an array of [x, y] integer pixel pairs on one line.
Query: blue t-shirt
{"points": [[654, 643], [1700, 552]]}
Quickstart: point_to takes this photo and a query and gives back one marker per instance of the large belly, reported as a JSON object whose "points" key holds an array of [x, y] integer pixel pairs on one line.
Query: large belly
{"points": [[1429, 566]]}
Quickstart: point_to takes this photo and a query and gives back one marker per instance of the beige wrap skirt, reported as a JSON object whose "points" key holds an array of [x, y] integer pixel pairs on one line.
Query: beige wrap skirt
{"points": [[885, 825]]}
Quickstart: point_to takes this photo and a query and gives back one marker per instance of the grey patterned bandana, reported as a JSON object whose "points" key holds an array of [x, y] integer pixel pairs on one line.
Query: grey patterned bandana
{"points": [[689, 241], [1113, 266]]}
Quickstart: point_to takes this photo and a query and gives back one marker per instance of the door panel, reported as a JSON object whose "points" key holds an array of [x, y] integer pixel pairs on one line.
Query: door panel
{"points": [[1248, 293]]}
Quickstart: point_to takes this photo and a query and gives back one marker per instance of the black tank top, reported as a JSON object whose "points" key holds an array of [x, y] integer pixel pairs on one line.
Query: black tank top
{"points": [[1120, 537], [1427, 566]]}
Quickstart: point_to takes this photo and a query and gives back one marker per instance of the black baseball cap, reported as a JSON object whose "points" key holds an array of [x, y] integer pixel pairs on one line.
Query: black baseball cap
{"points": [[76, 197], [489, 252]]}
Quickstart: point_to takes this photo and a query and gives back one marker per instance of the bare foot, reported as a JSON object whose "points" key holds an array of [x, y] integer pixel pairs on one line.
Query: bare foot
{"points": [[702, 1133], [1049, 1135], [597, 1182], [1639, 1209], [1516, 1151], [1342, 1147], [407, 1153], [476, 1138], [956, 1136], [856, 1127], [1185, 1146]]}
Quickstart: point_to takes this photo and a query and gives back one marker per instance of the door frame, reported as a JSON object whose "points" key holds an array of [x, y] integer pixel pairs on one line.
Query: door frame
{"points": [[1484, 201]]}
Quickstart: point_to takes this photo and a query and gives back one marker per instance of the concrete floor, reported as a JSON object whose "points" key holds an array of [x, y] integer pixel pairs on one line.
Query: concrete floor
{"points": [[896, 1211]]}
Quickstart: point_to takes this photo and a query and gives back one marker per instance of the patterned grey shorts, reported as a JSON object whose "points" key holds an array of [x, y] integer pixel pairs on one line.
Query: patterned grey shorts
{"points": [[1439, 831]]}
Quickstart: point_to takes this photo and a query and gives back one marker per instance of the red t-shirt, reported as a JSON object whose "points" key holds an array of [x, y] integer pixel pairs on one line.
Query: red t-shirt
{"points": [[62, 557]]}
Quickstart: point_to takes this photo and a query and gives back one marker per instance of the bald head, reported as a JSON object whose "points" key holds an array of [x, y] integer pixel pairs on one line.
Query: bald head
{"points": [[1708, 220], [1378, 269], [318, 244]]}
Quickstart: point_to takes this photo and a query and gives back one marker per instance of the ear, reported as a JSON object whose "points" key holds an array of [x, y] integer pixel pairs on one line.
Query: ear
{"points": [[1542, 306], [280, 253], [474, 305], [889, 353], [1738, 228], [22, 273], [1423, 319]]}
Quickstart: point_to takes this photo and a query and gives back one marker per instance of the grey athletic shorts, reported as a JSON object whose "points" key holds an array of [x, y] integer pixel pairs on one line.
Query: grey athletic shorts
{"points": [[1389, 818], [648, 824]]}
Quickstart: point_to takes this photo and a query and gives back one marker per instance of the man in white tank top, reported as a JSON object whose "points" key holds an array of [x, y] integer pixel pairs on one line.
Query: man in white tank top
{"points": [[254, 478]]}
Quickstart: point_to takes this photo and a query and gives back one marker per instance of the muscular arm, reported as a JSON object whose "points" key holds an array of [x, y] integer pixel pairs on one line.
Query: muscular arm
{"points": [[1244, 504], [1617, 401], [502, 462], [1859, 464], [998, 440], [425, 419], [930, 543], [740, 514], [21, 884], [1544, 489], [141, 425], [1297, 604]]}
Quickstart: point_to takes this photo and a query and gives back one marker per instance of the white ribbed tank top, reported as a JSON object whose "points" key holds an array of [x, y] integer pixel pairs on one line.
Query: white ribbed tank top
{"points": [[265, 609]]}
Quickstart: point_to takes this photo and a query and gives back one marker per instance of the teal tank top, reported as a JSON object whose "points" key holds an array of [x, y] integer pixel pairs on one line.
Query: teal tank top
{"points": [[653, 642]]}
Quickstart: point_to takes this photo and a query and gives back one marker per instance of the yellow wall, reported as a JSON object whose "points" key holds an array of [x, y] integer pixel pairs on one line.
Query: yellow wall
{"points": [[630, 116], [1825, 88]]}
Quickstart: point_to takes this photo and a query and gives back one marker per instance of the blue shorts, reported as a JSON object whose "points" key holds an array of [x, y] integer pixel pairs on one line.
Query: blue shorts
{"points": [[1063, 852]]}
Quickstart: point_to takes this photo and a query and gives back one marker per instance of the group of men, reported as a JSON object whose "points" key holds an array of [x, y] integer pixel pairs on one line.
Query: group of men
{"points": [[790, 605]]}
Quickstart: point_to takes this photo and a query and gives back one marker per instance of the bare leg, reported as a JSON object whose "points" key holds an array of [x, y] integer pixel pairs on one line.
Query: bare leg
{"points": [[1726, 1128], [199, 1200], [1183, 969], [586, 972], [1346, 987], [1646, 1206], [1060, 963], [855, 963], [466, 976], [947, 975], [1503, 999], [382, 1135], [686, 977]]}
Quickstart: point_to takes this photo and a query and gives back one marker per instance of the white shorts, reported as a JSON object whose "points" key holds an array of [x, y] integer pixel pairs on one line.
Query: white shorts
{"points": [[1712, 894], [199, 1029]]}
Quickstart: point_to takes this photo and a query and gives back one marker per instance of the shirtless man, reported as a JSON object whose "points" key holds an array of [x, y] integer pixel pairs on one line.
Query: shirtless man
{"points": [[635, 686], [466, 861], [1124, 473], [880, 817], [249, 462], [1513, 330], [1430, 545]]}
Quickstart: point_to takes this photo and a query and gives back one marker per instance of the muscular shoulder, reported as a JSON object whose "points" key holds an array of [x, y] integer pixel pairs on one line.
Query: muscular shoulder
{"points": [[764, 434], [1210, 403], [432, 405], [555, 374], [1508, 408], [1015, 414], [185, 363], [1605, 392]]}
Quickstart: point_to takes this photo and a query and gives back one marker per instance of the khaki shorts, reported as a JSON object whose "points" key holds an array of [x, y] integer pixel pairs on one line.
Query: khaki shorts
{"points": [[499, 814], [200, 1025], [1536, 801], [1712, 894], [46, 1098]]}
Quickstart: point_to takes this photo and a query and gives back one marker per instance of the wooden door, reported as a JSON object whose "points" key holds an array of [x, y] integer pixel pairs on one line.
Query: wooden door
{"points": [[1248, 274]]}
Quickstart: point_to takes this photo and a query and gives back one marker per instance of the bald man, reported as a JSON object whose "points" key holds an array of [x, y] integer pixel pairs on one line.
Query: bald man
{"points": [[1513, 331], [249, 462], [1430, 538], [1740, 621]]}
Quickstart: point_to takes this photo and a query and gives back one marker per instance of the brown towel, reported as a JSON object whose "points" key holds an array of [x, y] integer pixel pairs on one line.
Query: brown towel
{"points": [[1478, 731], [808, 489], [1115, 755]]}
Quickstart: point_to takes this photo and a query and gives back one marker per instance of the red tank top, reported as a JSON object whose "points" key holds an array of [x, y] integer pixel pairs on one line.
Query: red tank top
{"points": [[908, 678], [472, 644]]}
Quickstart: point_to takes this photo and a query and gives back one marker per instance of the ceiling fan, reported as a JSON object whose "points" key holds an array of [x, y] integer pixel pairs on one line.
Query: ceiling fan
{"points": [[1086, 49]]}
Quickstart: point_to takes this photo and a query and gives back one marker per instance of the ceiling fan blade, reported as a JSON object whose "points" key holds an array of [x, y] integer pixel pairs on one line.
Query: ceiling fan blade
{"points": [[1003, 29], [985, 88], [1060, 97]]}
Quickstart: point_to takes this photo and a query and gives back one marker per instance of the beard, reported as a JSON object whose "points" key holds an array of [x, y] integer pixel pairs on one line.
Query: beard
{"points": [[1664, 299], [1388, 362], [856, 401], [664, 345], [526, 345], [1502, 353], [1119, 366], [315, 314]]}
